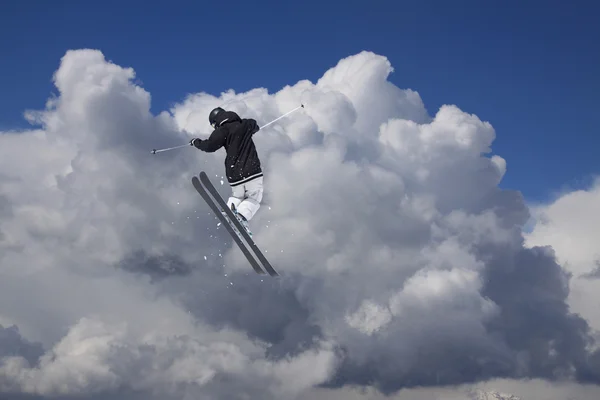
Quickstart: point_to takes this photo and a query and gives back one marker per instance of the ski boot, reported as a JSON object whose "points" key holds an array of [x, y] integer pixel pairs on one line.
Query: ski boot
{"points": [[242, 220], [230, 222]]}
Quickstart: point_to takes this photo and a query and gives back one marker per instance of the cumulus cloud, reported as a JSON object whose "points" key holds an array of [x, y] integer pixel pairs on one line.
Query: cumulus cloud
{"points": [[497, 389], [96, 356], [402, 263], [571, 226]]}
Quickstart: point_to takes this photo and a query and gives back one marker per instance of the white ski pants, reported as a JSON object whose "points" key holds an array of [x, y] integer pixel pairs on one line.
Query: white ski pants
{"points": [[247, 197]]}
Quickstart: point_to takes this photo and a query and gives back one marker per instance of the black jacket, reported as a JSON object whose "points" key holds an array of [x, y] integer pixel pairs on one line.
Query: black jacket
{"points": [[235, 134]]}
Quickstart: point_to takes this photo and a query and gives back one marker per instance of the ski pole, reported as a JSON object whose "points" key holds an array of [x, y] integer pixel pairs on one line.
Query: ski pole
{"points": [[154, 151], [287, 113], [169, 148]]}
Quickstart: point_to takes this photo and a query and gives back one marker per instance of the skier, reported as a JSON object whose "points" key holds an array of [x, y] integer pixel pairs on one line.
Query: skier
{"points": [[242, 165]]}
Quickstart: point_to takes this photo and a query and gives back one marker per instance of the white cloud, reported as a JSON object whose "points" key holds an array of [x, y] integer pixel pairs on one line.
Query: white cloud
{"points": [[402, 262], [96, 356], [571, 225], [369, 318], [501, 389]]}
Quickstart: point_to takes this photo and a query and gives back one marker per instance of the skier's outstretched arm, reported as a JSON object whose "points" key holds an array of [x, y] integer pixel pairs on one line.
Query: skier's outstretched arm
{"points": [[215, 141]]}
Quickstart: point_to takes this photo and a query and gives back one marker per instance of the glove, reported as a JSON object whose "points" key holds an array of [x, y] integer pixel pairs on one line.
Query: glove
{"points": [[194, 141]]}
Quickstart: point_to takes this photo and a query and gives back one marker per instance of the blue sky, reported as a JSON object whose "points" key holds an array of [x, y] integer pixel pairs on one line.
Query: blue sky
{"points": [[530, 68]]}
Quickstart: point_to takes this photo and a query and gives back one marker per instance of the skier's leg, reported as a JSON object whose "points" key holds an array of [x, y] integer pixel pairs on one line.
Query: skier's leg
{"points": [[237, 195], [253, 196]]}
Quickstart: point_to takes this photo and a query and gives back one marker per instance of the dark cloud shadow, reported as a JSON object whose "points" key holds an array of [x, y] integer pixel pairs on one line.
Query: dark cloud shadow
{"points": [[12, 344]]}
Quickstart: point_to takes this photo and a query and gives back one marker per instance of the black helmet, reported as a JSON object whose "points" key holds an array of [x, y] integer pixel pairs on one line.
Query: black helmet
{"points": [[212, 117]]}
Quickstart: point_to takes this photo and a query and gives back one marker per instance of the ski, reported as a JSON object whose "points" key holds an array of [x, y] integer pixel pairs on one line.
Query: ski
{"points": [[213, 191], [216, 209]]}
